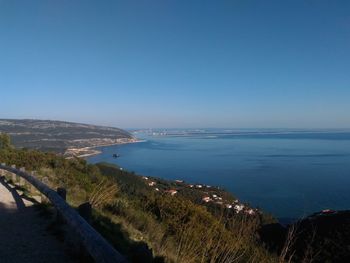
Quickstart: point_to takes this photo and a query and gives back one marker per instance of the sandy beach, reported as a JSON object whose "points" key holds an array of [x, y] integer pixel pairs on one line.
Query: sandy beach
{"points": [[91, 150]]}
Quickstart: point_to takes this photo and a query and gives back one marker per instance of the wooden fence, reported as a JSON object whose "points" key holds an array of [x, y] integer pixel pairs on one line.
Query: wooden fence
{"points": [[98, 248]]}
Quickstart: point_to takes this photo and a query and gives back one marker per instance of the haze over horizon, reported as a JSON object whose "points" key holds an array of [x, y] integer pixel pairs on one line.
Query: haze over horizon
{"points": [[189, 64]]}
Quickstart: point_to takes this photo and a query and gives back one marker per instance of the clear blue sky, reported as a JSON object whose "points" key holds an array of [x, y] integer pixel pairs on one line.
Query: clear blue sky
{"points": [[177, 63]]}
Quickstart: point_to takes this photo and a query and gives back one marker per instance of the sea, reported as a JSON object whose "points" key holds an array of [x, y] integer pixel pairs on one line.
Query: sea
{"points": [[288, 173]]}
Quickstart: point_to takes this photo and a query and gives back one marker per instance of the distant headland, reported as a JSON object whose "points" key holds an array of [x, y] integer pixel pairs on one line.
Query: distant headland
{"points": [[66, 138]]}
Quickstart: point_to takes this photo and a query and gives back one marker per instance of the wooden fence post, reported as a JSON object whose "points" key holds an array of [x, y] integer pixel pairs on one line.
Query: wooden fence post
{"points": [[85, 211], [3, 172], [31, 187], [62, 192], [14, 178], [43, 197], [22, 182]]}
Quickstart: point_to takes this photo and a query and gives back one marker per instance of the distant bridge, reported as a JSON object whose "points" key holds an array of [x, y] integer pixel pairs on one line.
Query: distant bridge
{"points": [[96, 246]]}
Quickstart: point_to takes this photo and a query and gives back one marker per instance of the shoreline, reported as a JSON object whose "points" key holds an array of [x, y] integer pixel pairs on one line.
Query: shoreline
{"points": [[91, 150]]}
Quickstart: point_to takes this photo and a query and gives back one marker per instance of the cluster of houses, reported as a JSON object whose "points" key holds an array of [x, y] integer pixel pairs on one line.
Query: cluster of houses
{"points": [[236, 205], [153, 183], [213, 198], [199, 186]]}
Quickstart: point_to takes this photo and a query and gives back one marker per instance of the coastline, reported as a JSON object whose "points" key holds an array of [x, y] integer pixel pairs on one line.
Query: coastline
{"points": [[89, 151]]}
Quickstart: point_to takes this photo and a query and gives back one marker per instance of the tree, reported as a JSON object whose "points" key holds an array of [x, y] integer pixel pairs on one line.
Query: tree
{"points": [[5, 141]]}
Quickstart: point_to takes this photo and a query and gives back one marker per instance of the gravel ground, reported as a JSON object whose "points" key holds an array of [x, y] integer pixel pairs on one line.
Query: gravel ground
{"points": [[23, 234]]}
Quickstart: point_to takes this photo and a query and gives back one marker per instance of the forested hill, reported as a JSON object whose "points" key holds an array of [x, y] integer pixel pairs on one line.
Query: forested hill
{"points": [[58, 136]]}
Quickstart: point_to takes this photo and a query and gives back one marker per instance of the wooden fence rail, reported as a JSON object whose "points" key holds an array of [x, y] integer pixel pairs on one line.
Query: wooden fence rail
{"points": [[98, 248]]}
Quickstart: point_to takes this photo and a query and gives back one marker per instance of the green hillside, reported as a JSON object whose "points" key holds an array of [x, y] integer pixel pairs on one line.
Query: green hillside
{"points": [[58, 136]]}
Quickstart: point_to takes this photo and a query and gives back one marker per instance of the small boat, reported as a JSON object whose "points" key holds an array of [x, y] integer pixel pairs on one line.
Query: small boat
{"points": [[116, 155]]}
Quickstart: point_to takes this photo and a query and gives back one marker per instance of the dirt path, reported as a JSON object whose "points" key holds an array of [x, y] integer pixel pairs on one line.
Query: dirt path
{"points": [[23, 234]]}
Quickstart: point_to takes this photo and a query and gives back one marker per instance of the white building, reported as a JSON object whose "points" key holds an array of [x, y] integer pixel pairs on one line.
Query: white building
{"points": [[206, 199], [238, 208], [171, 191]]}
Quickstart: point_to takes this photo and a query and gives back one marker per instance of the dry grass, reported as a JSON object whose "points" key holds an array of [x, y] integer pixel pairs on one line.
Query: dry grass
{"points": [[103, 193]]}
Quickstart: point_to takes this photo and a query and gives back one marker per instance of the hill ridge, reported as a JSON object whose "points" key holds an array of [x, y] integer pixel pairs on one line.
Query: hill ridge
{"points": [[62, 136]]}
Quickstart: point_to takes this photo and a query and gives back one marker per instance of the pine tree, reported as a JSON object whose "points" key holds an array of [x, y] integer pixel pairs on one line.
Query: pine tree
{"points": [[5, 141]]}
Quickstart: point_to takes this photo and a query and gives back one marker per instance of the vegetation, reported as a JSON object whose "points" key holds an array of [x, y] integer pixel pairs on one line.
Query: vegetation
{"points": [[136, 219], [5, 141], [58, 136]]}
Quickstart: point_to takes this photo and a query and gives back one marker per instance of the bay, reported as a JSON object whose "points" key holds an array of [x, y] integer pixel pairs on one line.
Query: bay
{"points": [[288, 174]]}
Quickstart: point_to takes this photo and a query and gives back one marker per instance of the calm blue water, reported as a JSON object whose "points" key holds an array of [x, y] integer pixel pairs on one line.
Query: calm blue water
{"points": [[289, 175]]}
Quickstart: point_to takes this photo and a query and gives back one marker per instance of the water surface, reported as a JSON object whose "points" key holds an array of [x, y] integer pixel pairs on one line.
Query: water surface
{"points": [[289, 174]]}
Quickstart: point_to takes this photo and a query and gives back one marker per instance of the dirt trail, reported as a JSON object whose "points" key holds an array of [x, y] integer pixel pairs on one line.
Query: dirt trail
{"points": [[23, 232]]}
